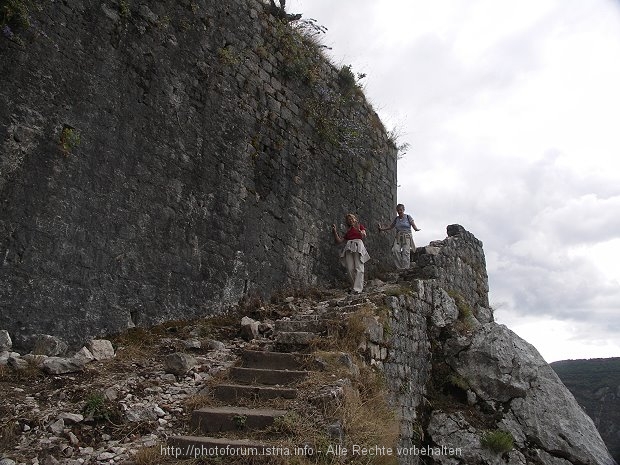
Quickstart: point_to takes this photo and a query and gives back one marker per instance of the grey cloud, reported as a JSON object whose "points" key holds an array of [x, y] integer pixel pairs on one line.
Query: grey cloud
{"points": [[531, 214]]}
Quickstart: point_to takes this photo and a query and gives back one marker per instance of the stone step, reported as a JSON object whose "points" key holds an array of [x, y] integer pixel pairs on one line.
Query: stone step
{"points": [[273, 360], [185, 447], [267, 376], [217, 419], [313, 325], [232, 392], [294, 339]]}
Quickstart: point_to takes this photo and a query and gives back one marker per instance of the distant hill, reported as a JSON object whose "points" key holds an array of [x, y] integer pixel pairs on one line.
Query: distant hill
{"points": [[595, 383]]}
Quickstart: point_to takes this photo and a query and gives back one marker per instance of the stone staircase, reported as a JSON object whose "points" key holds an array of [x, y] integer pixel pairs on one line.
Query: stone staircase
{"points": [[243, 415], [263, 377]]}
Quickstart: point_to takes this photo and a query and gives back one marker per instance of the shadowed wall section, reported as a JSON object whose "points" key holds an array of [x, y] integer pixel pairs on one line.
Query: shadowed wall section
{"points": [[157, 162]]}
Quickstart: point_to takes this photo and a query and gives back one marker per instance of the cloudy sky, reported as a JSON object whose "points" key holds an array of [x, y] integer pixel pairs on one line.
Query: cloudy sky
{"points": [[512, 113]]}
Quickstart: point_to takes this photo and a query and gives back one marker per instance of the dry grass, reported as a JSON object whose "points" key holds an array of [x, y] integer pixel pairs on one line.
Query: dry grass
{"points": [[9, 433], [369, 422], [198, 401], [361, 409], [345, 334], [30, 373], [366, 417]]}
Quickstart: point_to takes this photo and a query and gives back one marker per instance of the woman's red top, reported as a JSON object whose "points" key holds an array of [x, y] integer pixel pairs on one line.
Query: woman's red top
{"points": [[353, 233]]}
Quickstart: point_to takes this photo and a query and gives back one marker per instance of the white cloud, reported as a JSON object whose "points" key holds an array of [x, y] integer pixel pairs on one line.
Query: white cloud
{"points": [[511, 110]]}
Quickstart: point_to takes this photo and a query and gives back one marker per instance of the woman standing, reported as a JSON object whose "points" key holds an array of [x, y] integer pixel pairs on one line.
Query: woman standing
{"points": [[403, 242], [354, 253]]}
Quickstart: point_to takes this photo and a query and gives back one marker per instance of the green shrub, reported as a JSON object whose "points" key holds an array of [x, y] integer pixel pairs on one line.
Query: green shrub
{"points": [[123, 9], [16, 13], [240, 421], [497, 441], [69, 139], [229, 56], [346, 78], [96, 407]]}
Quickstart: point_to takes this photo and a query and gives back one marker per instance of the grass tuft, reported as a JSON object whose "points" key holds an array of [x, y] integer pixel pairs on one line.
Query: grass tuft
{"points": [[498, 441]]}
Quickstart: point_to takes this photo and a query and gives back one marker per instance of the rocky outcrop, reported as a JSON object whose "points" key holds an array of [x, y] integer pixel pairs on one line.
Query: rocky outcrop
{"points": [[468, 388], [511, 379]]}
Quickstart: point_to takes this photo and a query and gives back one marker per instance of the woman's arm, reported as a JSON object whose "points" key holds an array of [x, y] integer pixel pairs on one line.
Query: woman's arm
{"points": [[388, 227], [412, 223], [337, 238]]}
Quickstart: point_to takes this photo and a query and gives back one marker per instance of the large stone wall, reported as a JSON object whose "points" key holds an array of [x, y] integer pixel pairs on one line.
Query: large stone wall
{"points": [[216, 147]]}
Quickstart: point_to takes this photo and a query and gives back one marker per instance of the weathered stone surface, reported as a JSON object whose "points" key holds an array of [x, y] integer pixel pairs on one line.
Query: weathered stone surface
{"points": [[267, 376], [5, 341], [57, 427], [216, 419], [374, 329], [249, 328], [494, 372], [193, 126], [550, 414], [71, 418], [179, 363], [273, 360], [295, 339], [501, 368], [328, 397], [445, 311], [60, 365], [192, 344], [84, 356], [453, 431], [45, 344], [497, 364], [214, 345], [101, 349], [141, 412], [234, 392]]}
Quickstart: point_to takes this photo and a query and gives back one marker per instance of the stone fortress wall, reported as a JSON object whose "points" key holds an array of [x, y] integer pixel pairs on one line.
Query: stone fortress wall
{"points": [[160, 160]]}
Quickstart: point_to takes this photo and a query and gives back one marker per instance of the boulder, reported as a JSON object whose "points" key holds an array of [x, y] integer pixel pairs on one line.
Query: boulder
{"points": [[249, 328], [61, 365], [101, 349], [44, 344], [5, 341], [179, 363], [502, 368], [497, 364], [84, 356]]}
